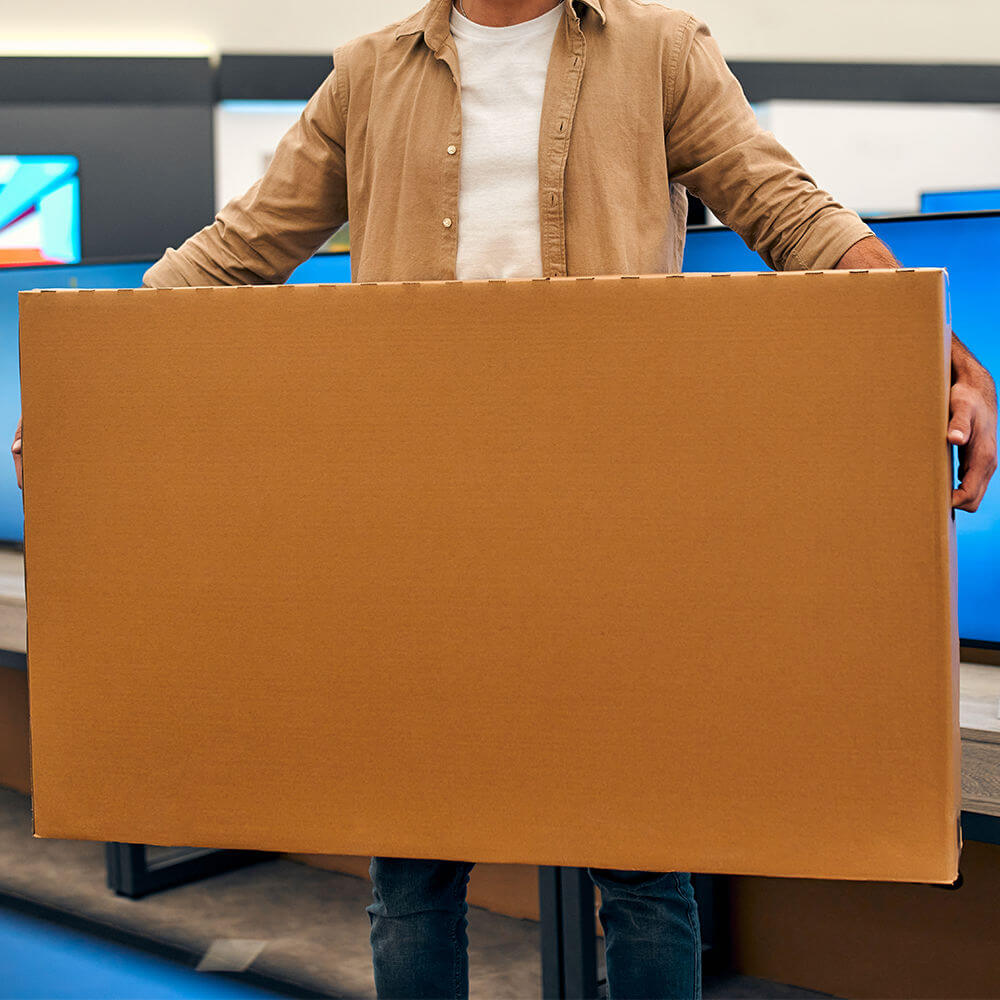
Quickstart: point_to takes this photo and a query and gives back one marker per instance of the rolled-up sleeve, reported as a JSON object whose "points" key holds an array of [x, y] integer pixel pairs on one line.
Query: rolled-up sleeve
{"points": [[717, 149], [261, 236]]}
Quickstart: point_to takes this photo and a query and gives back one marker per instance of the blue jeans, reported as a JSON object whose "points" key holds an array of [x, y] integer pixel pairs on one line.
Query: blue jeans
{"points": [[652, 938]]}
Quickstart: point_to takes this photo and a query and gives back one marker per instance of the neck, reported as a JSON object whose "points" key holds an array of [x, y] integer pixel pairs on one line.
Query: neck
{"points": [[503, 13]]}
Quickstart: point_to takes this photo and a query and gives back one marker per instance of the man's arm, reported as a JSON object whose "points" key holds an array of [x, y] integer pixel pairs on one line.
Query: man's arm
{"points": [[973, 424], [717, 149], [284, 218]]}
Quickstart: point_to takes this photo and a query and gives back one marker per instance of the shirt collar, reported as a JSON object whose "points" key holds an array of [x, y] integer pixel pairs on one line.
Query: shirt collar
{"points": [[433, 21]]}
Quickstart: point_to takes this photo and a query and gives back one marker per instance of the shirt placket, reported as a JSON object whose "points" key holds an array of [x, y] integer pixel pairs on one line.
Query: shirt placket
{"points": [[558, 113], [450, 169]]}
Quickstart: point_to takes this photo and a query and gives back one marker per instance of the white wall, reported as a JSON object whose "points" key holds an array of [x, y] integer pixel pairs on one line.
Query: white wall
{"points": [[246, 133], [878, 158], [846, 30]]}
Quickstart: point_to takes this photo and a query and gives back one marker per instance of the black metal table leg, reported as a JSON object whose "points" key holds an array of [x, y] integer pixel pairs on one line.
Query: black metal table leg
{"points": [[131, 873], [568, 936], [579, 935], [550, 914]]}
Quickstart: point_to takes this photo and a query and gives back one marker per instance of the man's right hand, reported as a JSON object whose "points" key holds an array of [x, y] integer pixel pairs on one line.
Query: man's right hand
{"points": [[15, 450]]}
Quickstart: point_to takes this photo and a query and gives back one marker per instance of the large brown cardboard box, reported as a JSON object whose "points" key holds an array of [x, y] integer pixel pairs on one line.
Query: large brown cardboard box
{"points": [[648, 572]]}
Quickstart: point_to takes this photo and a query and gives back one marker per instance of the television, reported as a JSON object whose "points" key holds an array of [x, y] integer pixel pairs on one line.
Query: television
{"points": [[323, 269], [960, 201], [39, 210], [968, 246], [320, 269]]}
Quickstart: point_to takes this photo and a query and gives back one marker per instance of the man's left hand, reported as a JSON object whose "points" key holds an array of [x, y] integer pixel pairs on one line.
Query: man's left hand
{"points": [[973, 423], [973, 427]]}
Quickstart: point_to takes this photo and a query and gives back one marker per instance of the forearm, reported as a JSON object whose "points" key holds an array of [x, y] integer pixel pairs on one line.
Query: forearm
{"points": [[966, 368]]}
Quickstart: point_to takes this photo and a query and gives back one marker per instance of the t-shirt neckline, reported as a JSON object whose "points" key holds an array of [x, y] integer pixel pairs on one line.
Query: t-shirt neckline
{"points": [[463, 27]]}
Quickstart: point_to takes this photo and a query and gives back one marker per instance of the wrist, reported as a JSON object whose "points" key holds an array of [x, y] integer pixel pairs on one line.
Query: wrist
{"points": [[868, 254], [963, 363]]}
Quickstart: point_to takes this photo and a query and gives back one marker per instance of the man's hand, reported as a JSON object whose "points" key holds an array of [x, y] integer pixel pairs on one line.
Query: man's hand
{"points": [[973, 423], [973, 426], [15, 450]]}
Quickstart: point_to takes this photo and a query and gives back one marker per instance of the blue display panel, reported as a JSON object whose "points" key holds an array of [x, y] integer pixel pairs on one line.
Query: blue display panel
{"points": [[39, 210], [960, 201], [969, 247], [321, 269]]}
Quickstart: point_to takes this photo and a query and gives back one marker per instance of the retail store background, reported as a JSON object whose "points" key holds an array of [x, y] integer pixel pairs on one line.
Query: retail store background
{"points": [[883, 30], [150, 132]]}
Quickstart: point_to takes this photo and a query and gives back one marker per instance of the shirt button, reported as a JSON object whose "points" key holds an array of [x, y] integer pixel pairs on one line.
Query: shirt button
{"points": [[452, 150], [446, 223]]}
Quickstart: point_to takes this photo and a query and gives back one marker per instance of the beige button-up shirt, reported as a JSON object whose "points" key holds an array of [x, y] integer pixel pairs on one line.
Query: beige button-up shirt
{"points": [[639, 105]]}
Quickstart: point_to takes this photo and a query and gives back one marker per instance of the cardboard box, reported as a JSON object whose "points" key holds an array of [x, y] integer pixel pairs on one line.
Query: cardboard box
{"points": [[649, 573]]}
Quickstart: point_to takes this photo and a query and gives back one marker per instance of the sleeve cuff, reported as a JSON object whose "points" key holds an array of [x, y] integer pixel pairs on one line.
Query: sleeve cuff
{"points": [[826, 241], [163, 274]]}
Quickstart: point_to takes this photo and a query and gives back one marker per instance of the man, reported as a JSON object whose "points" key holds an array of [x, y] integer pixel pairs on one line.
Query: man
{"points": [[564, 146]]}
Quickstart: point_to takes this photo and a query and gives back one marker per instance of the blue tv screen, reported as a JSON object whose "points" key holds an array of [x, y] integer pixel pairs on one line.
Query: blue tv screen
{"points": [[39, 210], [960, 201], [321, 269], [969, 248]]}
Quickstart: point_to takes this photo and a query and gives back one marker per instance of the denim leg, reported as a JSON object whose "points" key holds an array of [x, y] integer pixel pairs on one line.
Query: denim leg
{"points": [[652, 937], [418, 928]]}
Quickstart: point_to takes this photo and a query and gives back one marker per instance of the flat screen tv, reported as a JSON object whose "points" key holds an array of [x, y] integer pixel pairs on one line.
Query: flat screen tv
{"points": [[960, 201], [968, 245], [39, 210]]}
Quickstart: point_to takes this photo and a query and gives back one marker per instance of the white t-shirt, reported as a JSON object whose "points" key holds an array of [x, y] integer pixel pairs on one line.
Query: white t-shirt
{"points": [[502, 73]]}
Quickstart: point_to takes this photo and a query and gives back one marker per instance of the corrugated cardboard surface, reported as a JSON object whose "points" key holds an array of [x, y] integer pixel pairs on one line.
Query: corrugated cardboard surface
{"points": [[647, 573]]}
